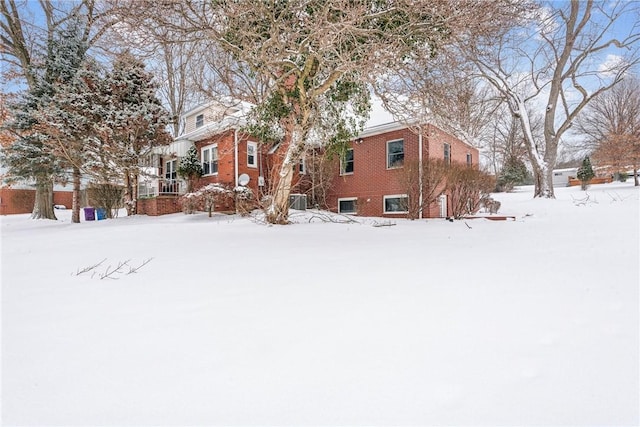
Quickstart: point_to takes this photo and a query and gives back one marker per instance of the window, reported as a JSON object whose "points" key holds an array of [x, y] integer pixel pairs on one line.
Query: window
{"points": [[348, 205], [170, 169], [170, 185], [346, 165], [396, 204], [447, 154], [395, 153], [252, 149], [210, 160], [199, 120], [302, 167], [469, 159]]}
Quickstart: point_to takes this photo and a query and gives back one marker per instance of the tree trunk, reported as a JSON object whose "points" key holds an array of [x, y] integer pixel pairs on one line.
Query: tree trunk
{"points": [[635, 177], [128, 193], [278, 211], [43, 206], [75, 201], [543, 183], [134, 195]]}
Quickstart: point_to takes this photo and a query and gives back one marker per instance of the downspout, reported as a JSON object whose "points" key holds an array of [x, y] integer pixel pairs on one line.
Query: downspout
{"points": [[420, 177], [235, 156]]}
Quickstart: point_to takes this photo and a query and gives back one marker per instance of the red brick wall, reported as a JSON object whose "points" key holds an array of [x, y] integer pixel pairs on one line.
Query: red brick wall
{"points": [[14, 201], [161, 205], [436, 139], [372, 180], [64, 198]]}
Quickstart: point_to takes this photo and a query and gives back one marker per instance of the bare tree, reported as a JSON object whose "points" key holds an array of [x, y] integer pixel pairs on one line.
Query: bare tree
{"points": [[318, 54], [611, 124], [443, 91], [423, 181], [467, 186], [560, 71]]}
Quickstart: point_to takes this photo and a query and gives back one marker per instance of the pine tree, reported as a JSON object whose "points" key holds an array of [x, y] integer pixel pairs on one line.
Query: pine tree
{"points": [[31, 157], [69, 121], [190, 168], [585, 173], [134, 123]]}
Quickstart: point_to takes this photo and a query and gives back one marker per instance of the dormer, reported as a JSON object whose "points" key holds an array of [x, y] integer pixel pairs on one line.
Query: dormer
{"points": [[205, 114]]}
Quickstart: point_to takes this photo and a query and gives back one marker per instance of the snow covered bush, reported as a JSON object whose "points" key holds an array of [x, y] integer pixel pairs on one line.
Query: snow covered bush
{"points": [[206, 197], [190, 168], [245, 200]]}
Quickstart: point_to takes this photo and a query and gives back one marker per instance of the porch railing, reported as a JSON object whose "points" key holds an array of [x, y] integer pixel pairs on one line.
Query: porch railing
{"points": [[161, 186]]}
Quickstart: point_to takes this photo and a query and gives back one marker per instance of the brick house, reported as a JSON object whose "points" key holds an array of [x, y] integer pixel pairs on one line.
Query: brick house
{"points": [[228, 156], [368, 183]]}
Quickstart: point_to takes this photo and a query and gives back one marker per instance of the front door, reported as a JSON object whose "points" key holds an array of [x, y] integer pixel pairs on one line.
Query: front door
{"points": [[443, 205]]}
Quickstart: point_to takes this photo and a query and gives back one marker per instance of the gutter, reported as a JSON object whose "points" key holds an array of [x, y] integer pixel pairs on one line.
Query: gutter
{"points": [[420, 177], [235, 151]]}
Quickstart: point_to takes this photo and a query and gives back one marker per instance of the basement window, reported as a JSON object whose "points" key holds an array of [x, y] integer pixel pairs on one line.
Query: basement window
{"points": [[348, 205], [398, 203]]}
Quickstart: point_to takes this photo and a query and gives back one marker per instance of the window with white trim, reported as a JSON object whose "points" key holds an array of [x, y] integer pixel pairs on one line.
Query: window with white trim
{"points": [[469, 159], [302, 167], [447, 153], [210, 160], [348, 205], [170, 170], [397, 203], [346, 164], [199, 120], [252, 158], [395, 153]]}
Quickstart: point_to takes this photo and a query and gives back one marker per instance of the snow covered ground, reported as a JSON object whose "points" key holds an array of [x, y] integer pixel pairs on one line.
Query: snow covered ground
{"points": [[526, 322]]}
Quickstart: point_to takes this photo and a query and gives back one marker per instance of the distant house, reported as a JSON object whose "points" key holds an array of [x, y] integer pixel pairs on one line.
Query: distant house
{"points": [[561, 177]]}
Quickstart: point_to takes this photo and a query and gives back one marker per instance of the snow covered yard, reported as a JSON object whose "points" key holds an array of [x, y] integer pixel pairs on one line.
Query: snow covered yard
{"points": [[526, 322]]}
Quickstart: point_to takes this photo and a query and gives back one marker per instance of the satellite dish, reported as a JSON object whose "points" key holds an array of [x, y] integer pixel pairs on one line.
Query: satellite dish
{"points": [[243, 179]]}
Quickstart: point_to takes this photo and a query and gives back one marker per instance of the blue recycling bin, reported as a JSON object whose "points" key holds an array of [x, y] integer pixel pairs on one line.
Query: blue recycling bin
{"points": [[101, 213], [89, 213]]}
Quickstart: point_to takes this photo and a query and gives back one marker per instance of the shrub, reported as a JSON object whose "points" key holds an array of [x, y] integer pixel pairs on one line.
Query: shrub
{"points": [[190, 168], [106, 196], [466, 186], [622, 176], [245, 200], [207, 197], [585, 173]]}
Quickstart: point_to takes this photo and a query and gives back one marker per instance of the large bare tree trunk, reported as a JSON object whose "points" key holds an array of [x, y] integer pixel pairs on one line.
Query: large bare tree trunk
{"points": [[43, 206], [278, 211]]}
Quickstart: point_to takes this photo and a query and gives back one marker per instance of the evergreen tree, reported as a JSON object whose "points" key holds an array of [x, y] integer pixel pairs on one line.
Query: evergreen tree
{"points": [[134, 122], [513, 173], [585, 172], [190, 168], [31, 156], [69, 121]]}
